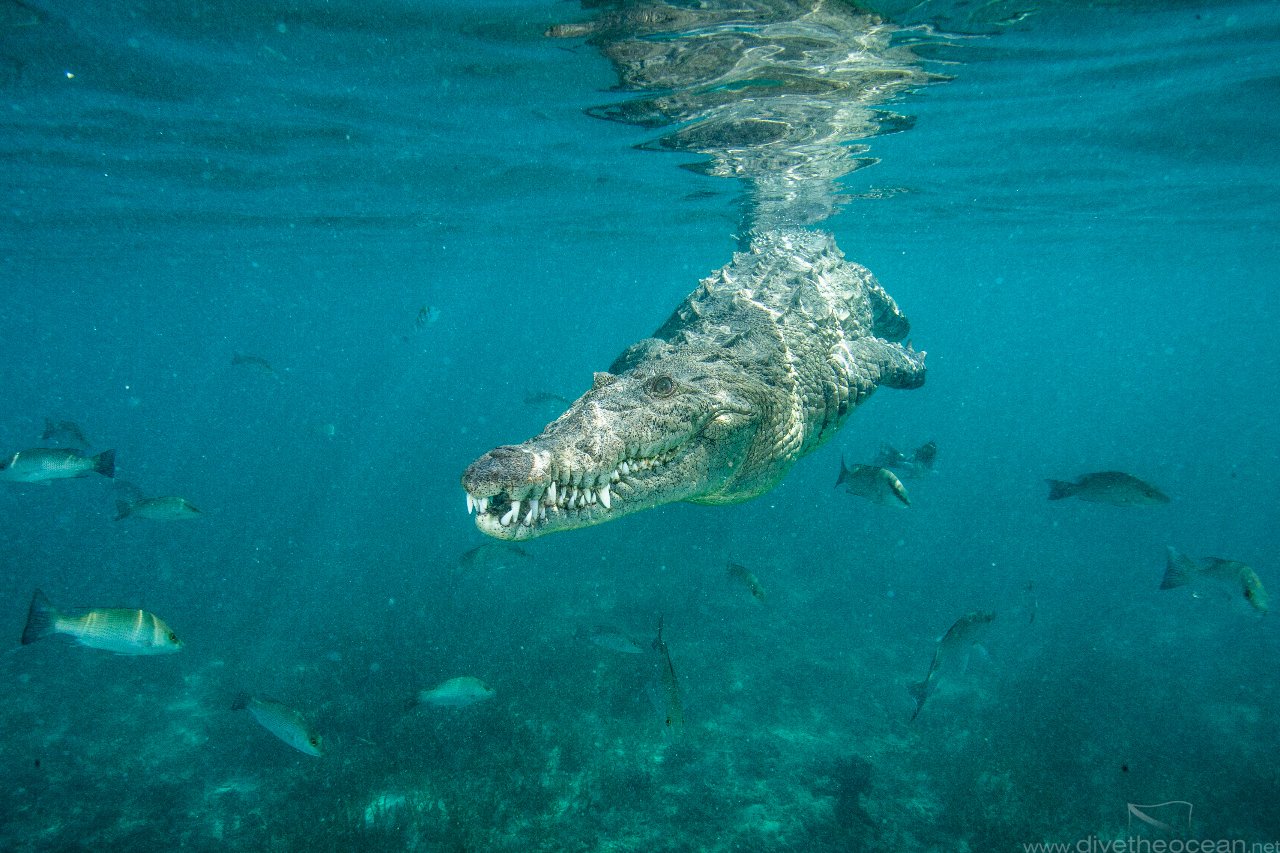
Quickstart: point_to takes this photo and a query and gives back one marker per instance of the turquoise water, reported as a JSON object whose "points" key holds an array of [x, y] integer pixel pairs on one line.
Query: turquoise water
{"points": [[1080, 223]]}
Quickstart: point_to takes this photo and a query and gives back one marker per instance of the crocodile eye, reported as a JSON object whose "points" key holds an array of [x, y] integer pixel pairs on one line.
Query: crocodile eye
{"points": [[661, 385]]}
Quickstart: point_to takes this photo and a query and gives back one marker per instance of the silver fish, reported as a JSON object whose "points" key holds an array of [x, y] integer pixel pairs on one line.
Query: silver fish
{"points": [[456, 693], [63, 431], [492, 556], [283, 722], [41, 464], [918, 464], [119, 630], [1181, 570], [537, 398], [952, 653], [743, 574], [608, 637], [876, 484], [672, 707], [167, 508], [253, 362], [1108, 487], [426, 315]]}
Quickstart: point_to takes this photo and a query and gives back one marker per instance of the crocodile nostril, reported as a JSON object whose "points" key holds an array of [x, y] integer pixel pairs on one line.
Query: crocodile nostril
{"points": [[499, 469]]}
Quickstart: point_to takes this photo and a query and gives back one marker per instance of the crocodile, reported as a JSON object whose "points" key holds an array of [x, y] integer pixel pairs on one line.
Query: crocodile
{"points": [[760, 365], [770, 354]]}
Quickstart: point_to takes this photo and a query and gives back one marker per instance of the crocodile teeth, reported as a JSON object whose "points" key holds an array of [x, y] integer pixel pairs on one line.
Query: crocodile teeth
{"points": [[572, 490]]}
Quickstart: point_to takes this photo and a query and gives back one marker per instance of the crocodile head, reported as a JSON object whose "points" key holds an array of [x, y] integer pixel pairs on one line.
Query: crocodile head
{"points": [[664, 426]]}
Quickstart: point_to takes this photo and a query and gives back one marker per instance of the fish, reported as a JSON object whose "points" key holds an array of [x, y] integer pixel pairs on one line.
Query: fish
{"points": [[426, 314], [15, 14], [608, 637], [255, 363], [283, 722], [741, 573], [1181, 570], [41, 464], [120, 630], [1108, 487], [673, 718], [537, 398], [876, 484], [492, 556], [918, 464], [952, 653], [63, 431], [456, 693], [165, 508]]}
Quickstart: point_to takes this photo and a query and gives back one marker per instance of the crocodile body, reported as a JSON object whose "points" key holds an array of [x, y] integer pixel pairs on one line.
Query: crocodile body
{"points": [[771, 353], [761, 364]]}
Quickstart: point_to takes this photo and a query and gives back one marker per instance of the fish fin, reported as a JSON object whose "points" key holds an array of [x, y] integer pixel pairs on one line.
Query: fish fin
{"points": [[42, 619], [240, 702], [919, 692], [123, 509], [105, 463], [844, 471], [49, 430], [1059, 489], [1179, 570], [980, 652]]}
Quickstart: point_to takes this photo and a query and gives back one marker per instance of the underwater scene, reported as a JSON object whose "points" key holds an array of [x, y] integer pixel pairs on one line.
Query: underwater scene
{"points": [[653, 425]]}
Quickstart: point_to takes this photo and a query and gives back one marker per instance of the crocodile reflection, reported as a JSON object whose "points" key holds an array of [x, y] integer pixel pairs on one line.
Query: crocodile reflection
{"points": [[777, 94]]}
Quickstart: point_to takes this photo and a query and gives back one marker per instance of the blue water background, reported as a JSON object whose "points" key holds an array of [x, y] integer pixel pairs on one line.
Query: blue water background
{"points": [[1087, 248]]}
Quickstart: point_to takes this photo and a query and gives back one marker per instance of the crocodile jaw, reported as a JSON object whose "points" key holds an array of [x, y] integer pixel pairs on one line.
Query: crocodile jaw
{"points": [[538, 497], [615, 451]]}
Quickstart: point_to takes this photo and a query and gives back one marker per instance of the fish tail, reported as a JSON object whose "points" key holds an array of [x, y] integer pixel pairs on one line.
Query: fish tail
{"points": [[1059, 489], [919, 692], [240, 702], [105, 463], [49, 430], [1179, 569], [844, 471], [123, 509], [42, 619]]}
